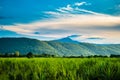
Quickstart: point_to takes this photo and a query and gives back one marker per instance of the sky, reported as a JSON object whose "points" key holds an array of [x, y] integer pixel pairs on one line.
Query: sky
{"points": [[93, 21]]}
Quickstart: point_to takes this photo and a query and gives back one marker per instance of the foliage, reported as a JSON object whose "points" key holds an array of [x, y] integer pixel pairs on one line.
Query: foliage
{"points": [[30, 55], [60, 69], [17, 54], [25, 45], [113, 55]]}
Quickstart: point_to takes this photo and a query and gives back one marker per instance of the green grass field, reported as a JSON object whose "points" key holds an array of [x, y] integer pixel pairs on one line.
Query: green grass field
{"points": [[60, 69]]}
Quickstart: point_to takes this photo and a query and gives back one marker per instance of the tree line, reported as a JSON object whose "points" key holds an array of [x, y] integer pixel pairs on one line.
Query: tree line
{"points": [[31, 55], [94, 56]]}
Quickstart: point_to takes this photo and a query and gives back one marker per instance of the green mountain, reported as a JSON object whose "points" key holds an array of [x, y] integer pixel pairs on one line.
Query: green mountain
{"points": [[66, 40], [25, 45]]}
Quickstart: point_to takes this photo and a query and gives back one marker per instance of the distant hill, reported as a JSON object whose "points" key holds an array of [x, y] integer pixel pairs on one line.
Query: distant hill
{"points": [[25, 45], [66, 40]]}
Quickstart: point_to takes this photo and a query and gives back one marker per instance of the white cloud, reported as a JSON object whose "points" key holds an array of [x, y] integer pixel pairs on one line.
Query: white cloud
{"points": [[64, 26], [65, 9], [65, 23], [109, 37], [52, 13], [88, 11], [80, 3], [69, 9]]}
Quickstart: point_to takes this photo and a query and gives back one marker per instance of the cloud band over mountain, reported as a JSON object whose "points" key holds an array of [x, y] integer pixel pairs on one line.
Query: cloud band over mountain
{"points": [[72, 19]]}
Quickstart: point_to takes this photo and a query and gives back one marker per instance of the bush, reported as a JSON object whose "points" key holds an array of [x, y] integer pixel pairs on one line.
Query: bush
{"points": [[17, 54], [30, 55]]}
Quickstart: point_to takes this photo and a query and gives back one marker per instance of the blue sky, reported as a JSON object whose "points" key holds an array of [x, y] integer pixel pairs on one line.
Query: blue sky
{"points": [[97, 21]]}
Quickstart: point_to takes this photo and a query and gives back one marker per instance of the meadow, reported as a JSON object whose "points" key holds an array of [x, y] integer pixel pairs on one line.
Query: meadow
{"points": [[59, 68]]}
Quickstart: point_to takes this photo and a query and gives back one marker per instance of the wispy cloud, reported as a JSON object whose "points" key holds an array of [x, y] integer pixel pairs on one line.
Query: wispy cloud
{"points": [[73, 7], [72, 10], [81, 3], [75, 36], [96, 38], [69, 20], [65, 9]]}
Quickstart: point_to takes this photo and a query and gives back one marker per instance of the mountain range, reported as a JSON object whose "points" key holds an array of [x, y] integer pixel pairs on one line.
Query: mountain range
{"points": [[61, 47]]}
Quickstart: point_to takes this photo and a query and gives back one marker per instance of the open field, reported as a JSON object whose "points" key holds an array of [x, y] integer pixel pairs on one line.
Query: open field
{"points": [[60, 69]]}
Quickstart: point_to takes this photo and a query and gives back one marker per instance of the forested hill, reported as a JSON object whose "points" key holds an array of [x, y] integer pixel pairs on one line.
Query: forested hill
{"points": [[25, 45]]}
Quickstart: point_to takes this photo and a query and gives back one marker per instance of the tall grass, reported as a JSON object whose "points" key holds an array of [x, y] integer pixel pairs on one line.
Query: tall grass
{"points": [[60, 69]]}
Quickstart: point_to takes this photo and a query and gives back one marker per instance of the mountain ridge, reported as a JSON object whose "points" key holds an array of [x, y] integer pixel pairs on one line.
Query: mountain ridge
{"points": [[66, 40], [25, 45]]}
